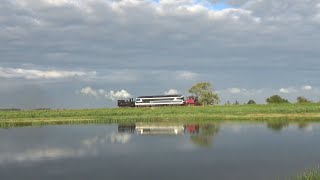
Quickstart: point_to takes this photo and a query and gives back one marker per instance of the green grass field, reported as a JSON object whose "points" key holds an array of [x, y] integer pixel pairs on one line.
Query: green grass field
{"points": [[274, 112]]}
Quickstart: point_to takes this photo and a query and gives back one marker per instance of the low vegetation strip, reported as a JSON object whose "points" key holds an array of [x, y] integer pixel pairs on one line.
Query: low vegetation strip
{"points": [[298, 112], [313, 174]]}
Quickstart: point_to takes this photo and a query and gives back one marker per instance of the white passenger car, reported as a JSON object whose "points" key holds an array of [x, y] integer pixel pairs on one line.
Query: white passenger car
{"points": [[162, 100]]}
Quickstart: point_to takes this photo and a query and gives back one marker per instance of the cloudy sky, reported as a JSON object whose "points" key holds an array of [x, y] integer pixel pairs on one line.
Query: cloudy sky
{"points": [[88, 53]]}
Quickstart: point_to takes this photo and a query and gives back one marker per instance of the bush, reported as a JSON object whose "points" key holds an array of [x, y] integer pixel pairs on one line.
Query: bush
{"points": [[302, 99], [251, 102], [276, 99]]}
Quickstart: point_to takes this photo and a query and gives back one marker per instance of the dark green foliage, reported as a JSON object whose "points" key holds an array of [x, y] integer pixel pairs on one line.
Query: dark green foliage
{"points": [[302, 99], [204, 91], [251, 101], [276, 99]]}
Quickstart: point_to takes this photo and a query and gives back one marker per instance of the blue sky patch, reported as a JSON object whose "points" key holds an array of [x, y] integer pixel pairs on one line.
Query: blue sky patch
{"points": [[221, 6], [215, 6], [212, 6], [157, 1]]}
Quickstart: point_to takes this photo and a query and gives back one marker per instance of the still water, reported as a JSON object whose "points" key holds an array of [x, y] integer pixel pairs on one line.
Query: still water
{"points": [[159, 151]]}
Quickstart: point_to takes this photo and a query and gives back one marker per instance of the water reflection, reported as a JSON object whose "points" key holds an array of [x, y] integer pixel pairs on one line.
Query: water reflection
{"points": [[160, 150], [201, 135], [277, 126], [152, 129], [303, 125], [41, 153], [205, 134]]}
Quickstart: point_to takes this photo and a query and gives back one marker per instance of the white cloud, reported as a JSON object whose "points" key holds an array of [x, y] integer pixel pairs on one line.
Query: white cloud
{"points": [[186, 75], [41, 74], [171, 92], [242, 91], [234, 90], [114, 75], [288, 90], [89, 91], [306, 88], [284, 90], [100, 93]]}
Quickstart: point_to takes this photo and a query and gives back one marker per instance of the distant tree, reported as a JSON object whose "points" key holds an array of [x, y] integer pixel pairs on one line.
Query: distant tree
{"points": [[236, 103], [204, 91], [276, 99], [251, 102], [302, 99], [228, 103]]}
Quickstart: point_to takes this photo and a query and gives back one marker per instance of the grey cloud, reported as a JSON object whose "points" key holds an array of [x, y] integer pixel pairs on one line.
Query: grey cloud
{"points": [[255, 44]]}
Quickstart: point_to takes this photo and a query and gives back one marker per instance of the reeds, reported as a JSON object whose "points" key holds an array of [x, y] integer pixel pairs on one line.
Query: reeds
{"points": [[313, 174]]}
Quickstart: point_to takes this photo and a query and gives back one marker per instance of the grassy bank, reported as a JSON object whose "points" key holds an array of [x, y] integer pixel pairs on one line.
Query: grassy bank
{"points": [[286, 112]]}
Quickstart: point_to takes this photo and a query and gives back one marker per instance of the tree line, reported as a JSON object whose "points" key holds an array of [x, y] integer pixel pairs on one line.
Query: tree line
{"points": [[207, 96]]}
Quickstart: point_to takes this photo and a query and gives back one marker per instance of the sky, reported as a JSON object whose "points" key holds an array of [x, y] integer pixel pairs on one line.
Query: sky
{"points": [[89, 53]]}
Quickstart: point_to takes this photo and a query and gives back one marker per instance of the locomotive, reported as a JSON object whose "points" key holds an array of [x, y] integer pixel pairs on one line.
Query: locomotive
{"points": [[159, 100]]}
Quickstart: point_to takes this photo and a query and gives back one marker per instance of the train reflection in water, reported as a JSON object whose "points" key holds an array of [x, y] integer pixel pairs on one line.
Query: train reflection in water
{"points": [[202, 135], [152, 129]]}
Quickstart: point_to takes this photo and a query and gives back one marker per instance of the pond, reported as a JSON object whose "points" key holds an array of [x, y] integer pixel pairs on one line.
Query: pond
{"points": [[161, 151]]}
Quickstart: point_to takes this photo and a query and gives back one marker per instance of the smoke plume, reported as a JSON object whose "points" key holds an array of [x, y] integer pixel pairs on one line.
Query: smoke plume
{"points": [[101, 93]]}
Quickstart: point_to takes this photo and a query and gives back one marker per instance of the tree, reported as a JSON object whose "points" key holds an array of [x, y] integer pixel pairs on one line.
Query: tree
{"points": [[302, 99], [251, 101], [276, 99], [204, 91], [236, 103]]}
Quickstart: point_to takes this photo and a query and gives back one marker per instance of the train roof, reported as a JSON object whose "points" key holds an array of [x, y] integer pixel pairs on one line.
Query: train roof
{"points": [[160, 96]]}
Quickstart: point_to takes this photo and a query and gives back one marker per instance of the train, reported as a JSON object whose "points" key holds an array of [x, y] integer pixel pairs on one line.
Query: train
{"points": [[159, 100]]}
